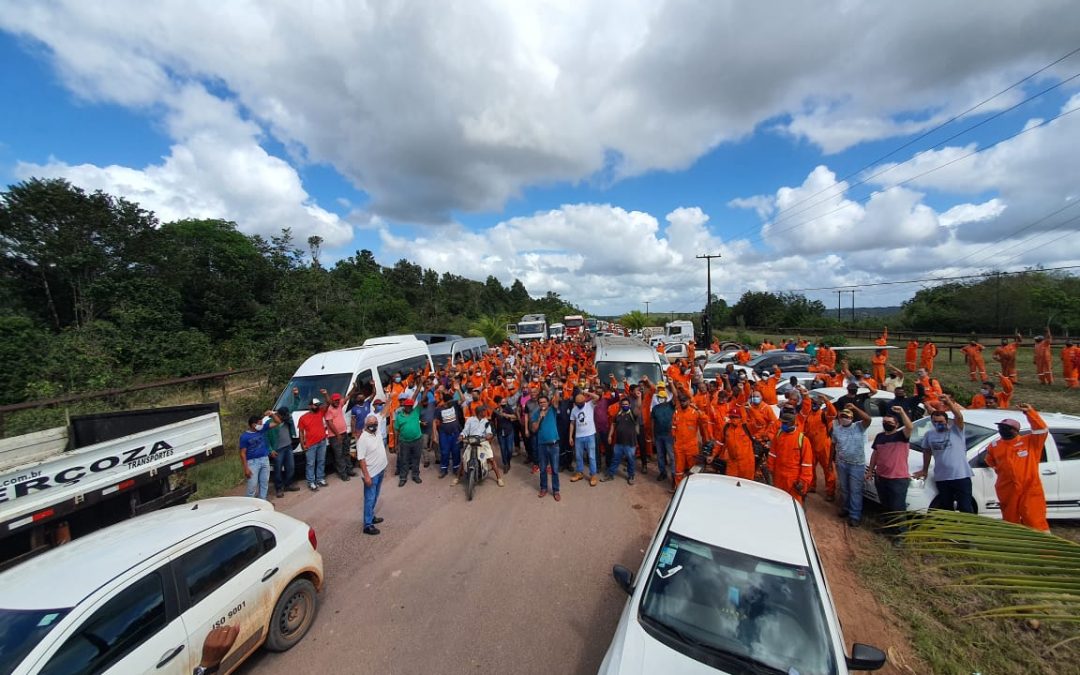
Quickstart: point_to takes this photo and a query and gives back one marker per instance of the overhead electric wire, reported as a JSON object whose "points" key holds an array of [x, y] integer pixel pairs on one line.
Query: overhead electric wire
{"points": [[786, 213], [1047, 243]]}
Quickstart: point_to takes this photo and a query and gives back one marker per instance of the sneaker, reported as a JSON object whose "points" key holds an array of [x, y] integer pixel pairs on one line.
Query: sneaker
{"points": [[501, 482], [542, 494], [279, 493], [371, 529], [312, 487], [576, 477], [557, 497], [376, 520], [536, 468], [401, 483], [427, 463], [853, 523], [291, 488], [442, 473], [661, 477], [323, 483], [416, 479], [455, 481], [593, 480], [630, 481], [606, 477]]}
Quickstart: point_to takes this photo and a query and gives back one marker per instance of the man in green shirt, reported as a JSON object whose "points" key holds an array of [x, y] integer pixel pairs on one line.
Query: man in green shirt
{"points": [[409, 436]]}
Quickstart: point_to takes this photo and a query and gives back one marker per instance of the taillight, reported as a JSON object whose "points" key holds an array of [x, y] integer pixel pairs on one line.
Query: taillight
{"points": [[311, 538]]}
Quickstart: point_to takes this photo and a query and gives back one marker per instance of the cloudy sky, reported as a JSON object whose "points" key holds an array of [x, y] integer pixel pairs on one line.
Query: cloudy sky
{"points": [[592, 148]]}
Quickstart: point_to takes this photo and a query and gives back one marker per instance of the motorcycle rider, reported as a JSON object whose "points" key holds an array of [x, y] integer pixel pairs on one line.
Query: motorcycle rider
{"points": [[480, 425]]}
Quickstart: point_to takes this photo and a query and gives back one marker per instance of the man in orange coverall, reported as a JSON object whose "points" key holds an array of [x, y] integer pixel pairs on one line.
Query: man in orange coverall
{"points": [[735, 444], [877, 365], [1044, 367], [686, 426], [1015, 458], [791, 458], [929, 353], [974, 359], [1068, 365], [818, 426], [911, 355], [1006, 356]]}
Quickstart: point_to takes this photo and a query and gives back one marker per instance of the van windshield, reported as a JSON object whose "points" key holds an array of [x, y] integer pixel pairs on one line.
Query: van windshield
{"points": [[310, 387], [627, 370]]}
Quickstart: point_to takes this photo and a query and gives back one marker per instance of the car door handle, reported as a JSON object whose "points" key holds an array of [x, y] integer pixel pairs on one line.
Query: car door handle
{"points": [[1049, 472], [170, 655], [269, 573]]}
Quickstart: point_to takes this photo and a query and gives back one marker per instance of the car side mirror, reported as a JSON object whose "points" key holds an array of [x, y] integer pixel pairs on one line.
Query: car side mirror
{"points": [[623, 577], [865, 657]]}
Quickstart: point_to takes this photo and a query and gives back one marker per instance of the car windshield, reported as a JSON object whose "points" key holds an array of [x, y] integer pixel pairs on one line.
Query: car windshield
{"points": [[627, 370], [21, 630], [722, 607], [973, 433], [529, 328], [310, 386]]}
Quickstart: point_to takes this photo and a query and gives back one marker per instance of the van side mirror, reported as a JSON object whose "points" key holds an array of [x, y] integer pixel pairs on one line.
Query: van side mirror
{"points": [[623, 577], [865, 657]]}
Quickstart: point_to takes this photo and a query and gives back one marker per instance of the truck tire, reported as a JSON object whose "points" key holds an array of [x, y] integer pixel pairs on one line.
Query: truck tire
{"points": [[293, 615]]}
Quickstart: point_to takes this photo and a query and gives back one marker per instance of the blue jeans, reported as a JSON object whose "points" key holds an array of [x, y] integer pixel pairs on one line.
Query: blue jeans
{"points": [[850, 481], [284, 467], [449, 449], [549, 457], [664, 445], [315, 470], [260, 476], [581, 445], [371, 495], [619, 453], [506, 445]]}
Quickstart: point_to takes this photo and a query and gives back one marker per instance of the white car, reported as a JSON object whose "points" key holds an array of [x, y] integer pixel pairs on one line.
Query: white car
{"points": [[141, 596], [744, 594], [1059, 467]]}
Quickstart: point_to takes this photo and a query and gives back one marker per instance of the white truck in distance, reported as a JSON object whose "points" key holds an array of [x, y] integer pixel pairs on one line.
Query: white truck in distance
{"points": [[532, 327], [679, 331]]}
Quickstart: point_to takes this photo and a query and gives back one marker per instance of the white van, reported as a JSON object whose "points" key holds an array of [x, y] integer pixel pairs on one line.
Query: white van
{"points": [[342, 370], [627, 359], [458, 351]]}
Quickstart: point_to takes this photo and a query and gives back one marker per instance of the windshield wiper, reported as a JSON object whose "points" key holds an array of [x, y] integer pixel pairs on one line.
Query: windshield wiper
{"points": [[753, 664]]}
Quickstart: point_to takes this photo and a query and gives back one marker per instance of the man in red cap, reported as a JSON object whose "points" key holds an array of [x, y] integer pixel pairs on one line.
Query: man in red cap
{"points": [[336, 436], [1015, 458], [408, 433]]}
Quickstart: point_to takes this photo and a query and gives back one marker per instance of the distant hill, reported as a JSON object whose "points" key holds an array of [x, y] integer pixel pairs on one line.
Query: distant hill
{"points": [[876, 311]]}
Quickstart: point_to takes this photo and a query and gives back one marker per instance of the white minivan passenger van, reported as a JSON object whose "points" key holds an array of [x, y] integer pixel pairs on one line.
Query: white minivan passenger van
{"points": [[627, 359]]}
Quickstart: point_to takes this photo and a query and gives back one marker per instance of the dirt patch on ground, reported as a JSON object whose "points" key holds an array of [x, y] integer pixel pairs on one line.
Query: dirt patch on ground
{"points": [[863, 617]]}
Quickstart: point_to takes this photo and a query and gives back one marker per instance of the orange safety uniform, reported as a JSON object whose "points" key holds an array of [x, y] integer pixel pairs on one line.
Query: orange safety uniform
{"points": [[929, 353], [836, 380], [974, 359], [737, 447], [1002, 396], [742, 356], [762, 420], [884, 339], [877, 365], [686, 426], [1043, 363], [791, 461], [1018, 486], [1006, 356], [911, 355], [818, 427], [767, 387], [826, 358], [1068, 366]]}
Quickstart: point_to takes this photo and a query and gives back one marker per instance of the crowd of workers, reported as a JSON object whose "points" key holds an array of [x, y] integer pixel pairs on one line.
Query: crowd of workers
{"points": [[544, 401]]}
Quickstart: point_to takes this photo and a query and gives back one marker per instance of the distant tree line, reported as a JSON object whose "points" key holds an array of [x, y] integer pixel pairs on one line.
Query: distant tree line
{"points": [[95, 292]]}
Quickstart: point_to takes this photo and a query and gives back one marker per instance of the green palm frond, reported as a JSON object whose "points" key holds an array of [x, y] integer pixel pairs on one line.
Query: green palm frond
{"points": [[1036, 573]]}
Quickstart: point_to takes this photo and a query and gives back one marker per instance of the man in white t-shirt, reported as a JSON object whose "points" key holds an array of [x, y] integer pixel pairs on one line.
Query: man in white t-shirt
{"points": [[480, 425], [583, 435], [371, 453]]}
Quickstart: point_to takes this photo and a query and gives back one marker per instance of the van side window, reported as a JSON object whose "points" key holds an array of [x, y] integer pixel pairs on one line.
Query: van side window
{"points": [[133, 616], [1068, 443], [364, 382], [213, 564]]}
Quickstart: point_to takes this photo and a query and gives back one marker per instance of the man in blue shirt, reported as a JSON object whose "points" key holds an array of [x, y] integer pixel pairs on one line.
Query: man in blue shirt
{"points": [[542, 424], [255, 452], [945, 443]]}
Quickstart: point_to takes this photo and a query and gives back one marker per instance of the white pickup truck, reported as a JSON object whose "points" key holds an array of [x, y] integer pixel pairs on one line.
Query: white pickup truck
{"points": [[62, 483]]}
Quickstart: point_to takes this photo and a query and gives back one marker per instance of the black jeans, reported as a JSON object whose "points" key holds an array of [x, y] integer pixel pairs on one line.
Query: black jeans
{"points": [[892, 492], [954, 495], [339, 449], [408, 459]]}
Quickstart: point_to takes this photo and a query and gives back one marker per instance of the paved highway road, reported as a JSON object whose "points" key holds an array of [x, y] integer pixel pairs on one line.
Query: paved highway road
{"points": [[507, 583]]}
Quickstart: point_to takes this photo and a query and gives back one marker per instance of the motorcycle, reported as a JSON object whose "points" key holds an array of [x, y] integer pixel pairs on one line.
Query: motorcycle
{"points": [[475, 468]]}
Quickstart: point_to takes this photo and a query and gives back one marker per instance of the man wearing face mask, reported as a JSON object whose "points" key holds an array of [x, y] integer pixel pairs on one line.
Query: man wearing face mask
{"points": [[849, 451], [622, 436], [371, 453], [690, 428], [944, 443], [661, 413], [760, 417], [791, 458], [736, 445], [889, 465], [1015, 459], [818, 425], [480, 425], [583, 436]]}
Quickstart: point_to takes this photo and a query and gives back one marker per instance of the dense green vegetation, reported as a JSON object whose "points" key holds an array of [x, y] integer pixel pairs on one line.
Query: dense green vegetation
{"points": [[96, 293]]}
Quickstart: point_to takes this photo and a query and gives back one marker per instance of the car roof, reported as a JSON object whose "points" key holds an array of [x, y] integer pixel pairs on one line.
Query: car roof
{"points": [[66, 575], [836, 392], [741, 515]]}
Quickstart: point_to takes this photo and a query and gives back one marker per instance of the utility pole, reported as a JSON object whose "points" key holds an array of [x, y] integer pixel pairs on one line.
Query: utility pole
{"points": [[646, 310], [838, 318], [706, 321], [853, 307]]}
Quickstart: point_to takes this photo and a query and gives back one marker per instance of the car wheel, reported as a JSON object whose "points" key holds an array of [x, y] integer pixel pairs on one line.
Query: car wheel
{"points": [[293, 615]]}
